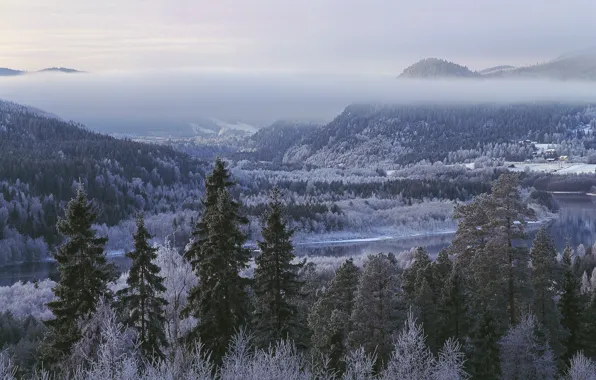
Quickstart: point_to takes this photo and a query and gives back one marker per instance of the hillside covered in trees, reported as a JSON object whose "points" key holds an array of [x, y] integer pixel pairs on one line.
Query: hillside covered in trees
{"points": [[42, 158], [395, 135], [437, 68]]}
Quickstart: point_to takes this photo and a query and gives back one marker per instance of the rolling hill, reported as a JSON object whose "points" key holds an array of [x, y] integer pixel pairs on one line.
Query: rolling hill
{"points": [[437, 68]]}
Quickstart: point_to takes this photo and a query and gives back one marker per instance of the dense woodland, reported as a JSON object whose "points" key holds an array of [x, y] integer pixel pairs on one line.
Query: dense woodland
{"points": [[390, 135], [487, 307]]}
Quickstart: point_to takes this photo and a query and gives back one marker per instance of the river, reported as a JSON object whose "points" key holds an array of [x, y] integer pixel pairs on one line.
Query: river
{"points": [[575, 221]]}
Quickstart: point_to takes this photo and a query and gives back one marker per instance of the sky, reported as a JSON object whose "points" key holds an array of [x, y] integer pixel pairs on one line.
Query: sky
{"points": [[366, 37]]}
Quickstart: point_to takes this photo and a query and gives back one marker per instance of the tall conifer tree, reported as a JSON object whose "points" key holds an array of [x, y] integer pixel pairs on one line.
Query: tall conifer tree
{"points": [[545, 287], [141, 300], [276, 284], [484, 361], [217, 254], [570, 306], [329, 318], [378, 307], [84, 277]]}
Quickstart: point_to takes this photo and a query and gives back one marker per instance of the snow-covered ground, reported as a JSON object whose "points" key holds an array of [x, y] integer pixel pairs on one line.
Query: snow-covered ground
{"points": [[553, 167]]}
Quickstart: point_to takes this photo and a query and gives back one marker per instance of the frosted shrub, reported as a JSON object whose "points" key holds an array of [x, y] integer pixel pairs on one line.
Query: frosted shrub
{"points": [[182, 365], [450, 365], [525, 354], [359, 365], [7, 370], [280, 361], [411, 358], [581, 368]]}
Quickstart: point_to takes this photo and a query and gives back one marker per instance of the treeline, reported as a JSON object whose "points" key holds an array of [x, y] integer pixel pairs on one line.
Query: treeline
{"points": [[486, 308]]}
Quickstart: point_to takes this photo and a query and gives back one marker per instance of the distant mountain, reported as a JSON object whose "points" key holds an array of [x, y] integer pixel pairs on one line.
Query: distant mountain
{"points": [[575, 66], [4, 72], [271, 143], [437, 68], [60, 70]]}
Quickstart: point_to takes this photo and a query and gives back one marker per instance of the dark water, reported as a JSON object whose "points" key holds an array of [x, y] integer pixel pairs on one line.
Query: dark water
{"points": [[576, 221]]}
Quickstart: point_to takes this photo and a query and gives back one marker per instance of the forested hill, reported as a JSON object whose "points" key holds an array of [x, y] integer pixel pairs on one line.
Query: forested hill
{"points": [[270, 143], [43, 157], [389, 135], [437, 68]]}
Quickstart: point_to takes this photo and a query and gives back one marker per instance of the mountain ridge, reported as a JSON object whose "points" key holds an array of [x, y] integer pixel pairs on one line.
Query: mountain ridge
{"points": [[579, 65], [6, 72]]}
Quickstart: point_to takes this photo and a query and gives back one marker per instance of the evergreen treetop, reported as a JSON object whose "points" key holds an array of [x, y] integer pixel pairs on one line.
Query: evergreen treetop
{"points": [[141, 299], [84, 276], [276, 284]]}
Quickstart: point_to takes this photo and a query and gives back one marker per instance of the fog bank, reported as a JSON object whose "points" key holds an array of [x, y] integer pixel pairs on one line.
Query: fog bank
{"points": [[170, 100]]}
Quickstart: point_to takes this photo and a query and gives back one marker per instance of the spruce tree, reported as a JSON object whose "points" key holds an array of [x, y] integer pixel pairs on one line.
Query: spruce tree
{"points": [[507, 215], [570, 306], [275, 283], [329, 318], [421, 265], [453, 307], [141, 300], [589, 329], [484, 361], [378, 307], [84, 277], [217, 254], [545, 287]]}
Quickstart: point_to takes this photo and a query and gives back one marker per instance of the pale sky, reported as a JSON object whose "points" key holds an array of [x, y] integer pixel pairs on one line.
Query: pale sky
{"points": [[347, 36]]}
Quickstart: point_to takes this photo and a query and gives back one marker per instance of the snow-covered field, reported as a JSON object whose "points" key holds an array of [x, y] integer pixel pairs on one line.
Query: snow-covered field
{"points": [[553, 167]]}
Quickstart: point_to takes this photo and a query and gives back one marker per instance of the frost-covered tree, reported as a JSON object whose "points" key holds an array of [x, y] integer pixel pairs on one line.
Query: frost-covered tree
{"points": [[178, 280], [525, 353], [329, 318], [581, 368], [106, 348], [275, 283], [280, 361], [217, 254], [359, 365], [378, 306], [586, 286], [84, 277], [450, 364], [411, 358], [570, 306], [7, 369], [141, 300], [546, 287]]}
